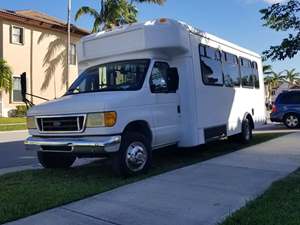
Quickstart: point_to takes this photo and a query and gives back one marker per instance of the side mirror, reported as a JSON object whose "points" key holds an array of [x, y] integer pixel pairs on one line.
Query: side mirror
{"points": [[173, 79], [23, 86]]}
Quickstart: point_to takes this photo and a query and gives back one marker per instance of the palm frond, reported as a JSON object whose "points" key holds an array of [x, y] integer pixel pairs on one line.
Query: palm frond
{"points": [[51, 68], [5, 76], [53, 47], [159, 2], [86, 10]]}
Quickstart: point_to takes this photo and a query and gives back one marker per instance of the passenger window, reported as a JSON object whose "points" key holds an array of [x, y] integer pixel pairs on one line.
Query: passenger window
{"points": [[247, 73], [211, 66], [158, 79], [231, 70], [255, 75]]}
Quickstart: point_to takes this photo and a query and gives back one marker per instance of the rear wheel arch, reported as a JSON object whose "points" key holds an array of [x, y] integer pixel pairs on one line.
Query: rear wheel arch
{"points": [[250, 119]]}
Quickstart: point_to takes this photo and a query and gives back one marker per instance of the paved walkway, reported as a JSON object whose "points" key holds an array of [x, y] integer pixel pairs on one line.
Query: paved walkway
{"points": [[12, 136], [204, 193]]}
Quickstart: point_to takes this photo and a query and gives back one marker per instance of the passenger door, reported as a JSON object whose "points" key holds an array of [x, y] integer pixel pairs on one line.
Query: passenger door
{"points": [[166, 109]]}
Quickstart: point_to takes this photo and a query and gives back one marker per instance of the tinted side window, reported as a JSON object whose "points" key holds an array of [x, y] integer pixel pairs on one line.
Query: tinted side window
{"points": [[158, 79], [246, 72], [290, 98], [255, 75], [231, 70], [211, 65]]}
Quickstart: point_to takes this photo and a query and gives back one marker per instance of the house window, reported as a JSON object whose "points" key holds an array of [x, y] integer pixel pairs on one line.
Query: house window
{"points": [[16, 92], [17, 35], [73, 54]]}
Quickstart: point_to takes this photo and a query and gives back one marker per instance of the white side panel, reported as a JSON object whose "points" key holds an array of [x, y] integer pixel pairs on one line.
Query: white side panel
{"points": [[187, 93], [217, 106], [113, 44]]}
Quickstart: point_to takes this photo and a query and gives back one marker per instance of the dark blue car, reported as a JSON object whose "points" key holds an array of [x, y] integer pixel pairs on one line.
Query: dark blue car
{"points": [[286, 109]]}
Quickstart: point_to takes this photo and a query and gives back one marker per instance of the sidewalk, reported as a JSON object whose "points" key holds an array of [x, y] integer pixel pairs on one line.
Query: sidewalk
{"points": [[11, 136], [204, 193]]}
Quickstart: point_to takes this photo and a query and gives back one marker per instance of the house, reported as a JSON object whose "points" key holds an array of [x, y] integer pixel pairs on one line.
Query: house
{"points": [[35, 43]]}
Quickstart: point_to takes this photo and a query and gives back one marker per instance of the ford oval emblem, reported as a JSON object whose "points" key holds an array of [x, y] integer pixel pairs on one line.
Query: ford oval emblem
{"points": [[56, 123]]}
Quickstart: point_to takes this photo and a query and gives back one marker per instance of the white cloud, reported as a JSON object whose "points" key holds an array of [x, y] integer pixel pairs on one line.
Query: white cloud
{"points": [[274, 1], [266, 1]]}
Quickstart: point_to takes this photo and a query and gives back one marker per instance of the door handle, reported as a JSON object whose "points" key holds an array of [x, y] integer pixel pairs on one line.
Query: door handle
{"points": [[178, 109]]}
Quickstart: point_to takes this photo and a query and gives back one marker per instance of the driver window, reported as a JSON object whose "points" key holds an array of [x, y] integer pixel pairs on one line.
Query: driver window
{"points": [[158, 79]]}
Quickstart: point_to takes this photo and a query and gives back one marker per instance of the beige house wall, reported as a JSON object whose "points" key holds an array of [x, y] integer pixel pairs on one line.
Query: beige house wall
{"points": [[30, 58], [1, 56]]}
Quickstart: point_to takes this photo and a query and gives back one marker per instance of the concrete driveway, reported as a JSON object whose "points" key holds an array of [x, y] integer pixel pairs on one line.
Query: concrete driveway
{"points": [[204, 193]]}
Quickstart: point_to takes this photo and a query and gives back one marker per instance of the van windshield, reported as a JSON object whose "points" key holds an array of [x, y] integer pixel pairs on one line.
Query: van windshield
{"points": [[116, 76]]}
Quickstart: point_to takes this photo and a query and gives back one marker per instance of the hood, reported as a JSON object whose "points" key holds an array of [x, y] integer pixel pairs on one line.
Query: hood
{"points": [[83, 103]]}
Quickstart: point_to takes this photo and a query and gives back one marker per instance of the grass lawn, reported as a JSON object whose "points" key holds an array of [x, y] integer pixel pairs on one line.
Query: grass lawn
{"points": [[6, 124], [279, 205], [28, 192]]}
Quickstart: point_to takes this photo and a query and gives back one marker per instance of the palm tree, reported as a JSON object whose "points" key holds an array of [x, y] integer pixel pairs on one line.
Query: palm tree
{"points": [[292, 77], [272, 81], [113, 13], [267, 70], [5, 76]]}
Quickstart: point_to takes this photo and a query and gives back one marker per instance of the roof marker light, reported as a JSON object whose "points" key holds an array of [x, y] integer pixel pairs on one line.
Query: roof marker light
{"points": [[163, 20]]}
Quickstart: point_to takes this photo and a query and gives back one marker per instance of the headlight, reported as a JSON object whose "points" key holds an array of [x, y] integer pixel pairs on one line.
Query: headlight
{"points": [[106, 119], [31, 122]]}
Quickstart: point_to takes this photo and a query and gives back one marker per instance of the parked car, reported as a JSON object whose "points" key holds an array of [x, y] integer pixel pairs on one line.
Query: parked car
{"points": [[286, 109], [146, 86]]}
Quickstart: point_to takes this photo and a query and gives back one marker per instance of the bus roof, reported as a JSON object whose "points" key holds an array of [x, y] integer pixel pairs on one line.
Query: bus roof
{"points": [[150, 38]]}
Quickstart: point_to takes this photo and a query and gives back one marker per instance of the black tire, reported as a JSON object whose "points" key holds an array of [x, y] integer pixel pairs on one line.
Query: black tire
{"points": [[291, 121], [55, 160], [246, 135], [140, 148]]}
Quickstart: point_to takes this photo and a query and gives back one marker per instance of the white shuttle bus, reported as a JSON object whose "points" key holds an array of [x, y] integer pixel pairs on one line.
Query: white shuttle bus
{"points": [[145, 86]]}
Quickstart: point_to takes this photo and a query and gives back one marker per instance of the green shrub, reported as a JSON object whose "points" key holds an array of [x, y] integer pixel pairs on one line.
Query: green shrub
{"points": [[21, 111]]}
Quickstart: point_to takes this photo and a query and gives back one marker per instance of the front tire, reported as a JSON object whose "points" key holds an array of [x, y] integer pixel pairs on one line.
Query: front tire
{"points": [[291, 121], [55, 160], [134, 156]]}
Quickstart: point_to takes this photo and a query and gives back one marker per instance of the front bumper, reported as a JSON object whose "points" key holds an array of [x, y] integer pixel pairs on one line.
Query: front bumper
{"points": [[81, 146]]}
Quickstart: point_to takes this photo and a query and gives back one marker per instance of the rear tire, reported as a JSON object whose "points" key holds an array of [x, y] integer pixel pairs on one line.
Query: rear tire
{"points": [[134, 156], [292, 121], [246, 135], [55, 160]]}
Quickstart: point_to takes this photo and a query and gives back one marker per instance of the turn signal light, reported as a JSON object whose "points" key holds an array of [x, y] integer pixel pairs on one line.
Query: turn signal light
{"points": [[110, 119]]}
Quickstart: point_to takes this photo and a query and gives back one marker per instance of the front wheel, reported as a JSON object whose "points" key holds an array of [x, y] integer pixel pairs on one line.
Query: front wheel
{"points": [[55, 160], [134, 156]]}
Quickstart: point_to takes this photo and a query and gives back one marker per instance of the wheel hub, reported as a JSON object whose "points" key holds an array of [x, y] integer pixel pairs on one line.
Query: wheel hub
{"points": [[136, 156], [292, 121]]}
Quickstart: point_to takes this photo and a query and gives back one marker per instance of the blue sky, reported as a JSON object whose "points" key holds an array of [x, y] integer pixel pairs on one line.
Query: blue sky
{"points": [[237, 21]]}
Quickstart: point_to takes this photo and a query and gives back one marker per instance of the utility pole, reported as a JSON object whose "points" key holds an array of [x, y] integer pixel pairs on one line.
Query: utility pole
{"points": [[68, 43]]}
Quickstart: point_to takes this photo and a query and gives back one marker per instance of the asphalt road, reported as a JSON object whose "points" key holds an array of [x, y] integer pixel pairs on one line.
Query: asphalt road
{"points": [[13, 153], [12, 150]]}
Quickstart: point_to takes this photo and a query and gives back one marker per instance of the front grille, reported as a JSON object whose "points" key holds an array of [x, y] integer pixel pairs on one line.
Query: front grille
{"points": [[61, 124]]}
